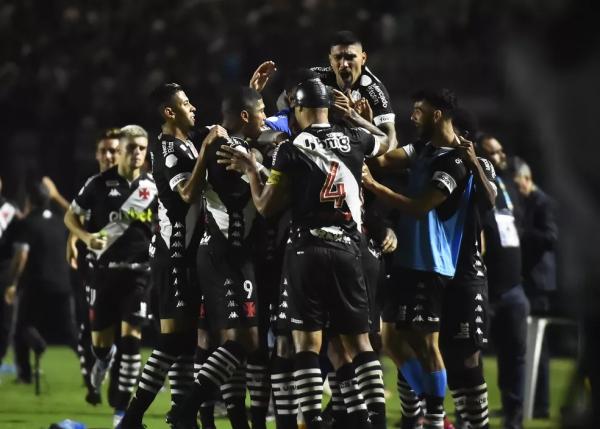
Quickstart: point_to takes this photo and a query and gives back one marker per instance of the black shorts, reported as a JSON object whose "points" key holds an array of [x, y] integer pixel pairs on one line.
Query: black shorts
{"points": [[268, 273], [119, 295], [465, 313], [372, 265], [174, 283], [327, 287], [228, 284], [413, 299], [280, 316]]}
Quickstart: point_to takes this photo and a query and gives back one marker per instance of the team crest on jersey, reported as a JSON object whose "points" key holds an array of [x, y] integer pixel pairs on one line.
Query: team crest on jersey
{"points": [[171, 160], [365, 80], [250, 309]]}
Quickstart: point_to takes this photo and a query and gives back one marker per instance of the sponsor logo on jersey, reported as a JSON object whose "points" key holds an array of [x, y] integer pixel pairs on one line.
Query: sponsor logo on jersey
{"points": [[178, 225], [377, 95], [365, 80], [231, 303], [112, 183], [478, 297], [114, 192], [296, 321], [233, 315], [171, 160], [478, 309], [418, 318], [167, 148], [132, 214]]}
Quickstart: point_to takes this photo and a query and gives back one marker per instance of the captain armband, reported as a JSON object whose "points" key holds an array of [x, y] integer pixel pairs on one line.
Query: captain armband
{"points": [[276, 178]]}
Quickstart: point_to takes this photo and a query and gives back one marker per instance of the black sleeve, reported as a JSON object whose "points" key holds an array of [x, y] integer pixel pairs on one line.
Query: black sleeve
{"points": [[282, 158], [21, 234], [448, 171], [365, 140], [543, 234], [83, 201], [380, 102], [170, 161]]}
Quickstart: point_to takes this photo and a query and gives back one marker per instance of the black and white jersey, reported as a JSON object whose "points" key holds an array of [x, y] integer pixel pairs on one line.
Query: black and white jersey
{"points": [[124, 211], [324, 164], [173, 161], [228, 198], [470, 261], [367, 86]]}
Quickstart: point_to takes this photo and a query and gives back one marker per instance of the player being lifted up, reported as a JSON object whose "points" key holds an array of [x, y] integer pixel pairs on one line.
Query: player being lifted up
{"points": [[318, 175], [120, 204], [180, 174]]}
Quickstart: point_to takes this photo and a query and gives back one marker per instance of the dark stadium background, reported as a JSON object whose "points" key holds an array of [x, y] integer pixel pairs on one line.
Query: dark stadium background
{"points": [[528, 69]]}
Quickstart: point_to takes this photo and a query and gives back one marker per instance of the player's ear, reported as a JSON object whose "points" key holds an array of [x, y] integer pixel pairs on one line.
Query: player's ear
{"points": [[364, 58], [244, 115], [437, 115], [168, 112]]}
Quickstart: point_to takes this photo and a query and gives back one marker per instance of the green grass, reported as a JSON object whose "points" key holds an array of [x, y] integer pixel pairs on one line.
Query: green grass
{"points": [[62, 397]]}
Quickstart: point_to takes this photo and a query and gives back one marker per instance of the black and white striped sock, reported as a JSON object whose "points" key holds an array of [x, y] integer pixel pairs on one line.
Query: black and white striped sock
{"points": [[284, 393], [181, 377], [233, 392], [409, 402], [85, 353], [309, 387], [459, 399], [207, 408], [369, 376], [434, 412], [129, 369], [476, 406], [337, 402], [259, 387], [355, 404]]}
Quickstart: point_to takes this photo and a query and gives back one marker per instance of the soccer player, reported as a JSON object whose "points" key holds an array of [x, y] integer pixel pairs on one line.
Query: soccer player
{"points": [[106, 155], [227, 275], [179, 171], [430, 231], [348, 73], [120, 204], [318, 175], [464, 320]]}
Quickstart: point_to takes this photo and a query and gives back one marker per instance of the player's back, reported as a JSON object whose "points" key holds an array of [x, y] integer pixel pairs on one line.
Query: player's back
{"points": [[324, 164]]}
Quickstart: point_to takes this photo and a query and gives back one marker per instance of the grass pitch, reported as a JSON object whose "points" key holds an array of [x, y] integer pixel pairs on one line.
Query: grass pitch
{"points": [[63, 393]]}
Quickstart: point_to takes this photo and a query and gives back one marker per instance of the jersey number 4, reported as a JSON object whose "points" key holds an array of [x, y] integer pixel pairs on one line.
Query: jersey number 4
{"points": [[330, 191]]}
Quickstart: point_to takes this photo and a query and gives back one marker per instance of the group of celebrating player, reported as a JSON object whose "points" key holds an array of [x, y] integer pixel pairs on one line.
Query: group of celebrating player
{"points": [[263, 242]]}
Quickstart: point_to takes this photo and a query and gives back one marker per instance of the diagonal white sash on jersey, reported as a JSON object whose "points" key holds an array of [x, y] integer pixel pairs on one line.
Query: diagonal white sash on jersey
{"points": [[137, 202], [323, 158]]}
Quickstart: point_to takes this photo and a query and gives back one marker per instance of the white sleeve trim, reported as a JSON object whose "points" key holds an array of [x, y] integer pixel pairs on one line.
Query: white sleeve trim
{"points": [[385, 118], [445, 179], [178, 178], [376, 146]]}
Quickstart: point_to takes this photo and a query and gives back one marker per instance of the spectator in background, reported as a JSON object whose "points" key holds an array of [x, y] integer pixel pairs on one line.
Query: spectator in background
{"points": [[39, 277], [509, 306], [539, 237]]}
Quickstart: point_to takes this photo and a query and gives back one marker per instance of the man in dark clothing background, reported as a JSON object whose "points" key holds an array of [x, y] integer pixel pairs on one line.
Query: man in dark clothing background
{"points": [[39, 279], [539, 237], [509, 307]]}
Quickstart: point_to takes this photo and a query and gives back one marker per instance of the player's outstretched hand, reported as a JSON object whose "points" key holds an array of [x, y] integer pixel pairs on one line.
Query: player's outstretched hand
{"points": [[363, 108], [367, 179], [341, 103], [236, 160], [261, 75], [96, 241]]}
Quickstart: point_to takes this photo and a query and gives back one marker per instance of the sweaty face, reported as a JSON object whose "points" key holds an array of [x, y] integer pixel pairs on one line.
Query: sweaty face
{"points": [[347, 62], [422, 119], [494, 151], [107, 153], [185, 117], [133, 152], [256, 120]]}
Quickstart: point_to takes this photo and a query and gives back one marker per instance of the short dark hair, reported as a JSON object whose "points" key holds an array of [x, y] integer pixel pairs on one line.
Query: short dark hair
{"points": [[298, 76], [163, 94], [108, 134], [238, 99], [443, 99], [344, 38]]}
